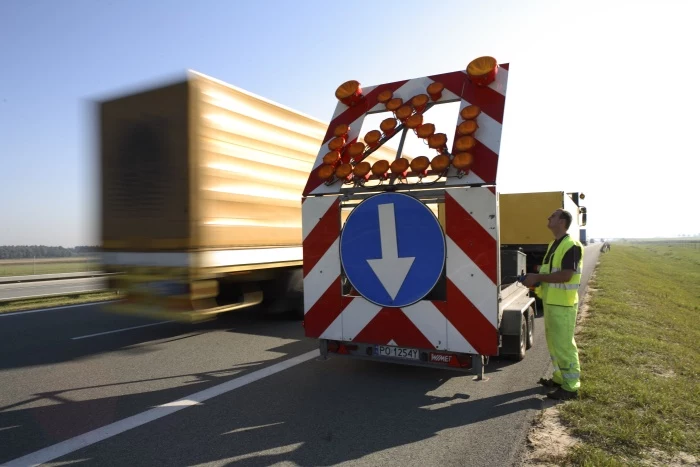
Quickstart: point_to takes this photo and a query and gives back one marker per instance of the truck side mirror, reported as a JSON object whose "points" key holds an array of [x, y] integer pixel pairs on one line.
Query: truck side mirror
{"points": [[583, 219]]}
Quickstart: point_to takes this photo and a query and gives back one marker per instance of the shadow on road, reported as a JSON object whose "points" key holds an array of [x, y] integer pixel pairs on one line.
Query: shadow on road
{"points": [[322, 413], [45, 338]]}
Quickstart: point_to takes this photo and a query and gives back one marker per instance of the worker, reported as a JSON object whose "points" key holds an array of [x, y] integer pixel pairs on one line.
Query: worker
{"points": [[560, 278]]}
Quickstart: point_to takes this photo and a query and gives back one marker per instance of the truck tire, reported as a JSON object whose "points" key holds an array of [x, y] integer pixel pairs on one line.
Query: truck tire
{"points": [[285, 294], [530, 328]]}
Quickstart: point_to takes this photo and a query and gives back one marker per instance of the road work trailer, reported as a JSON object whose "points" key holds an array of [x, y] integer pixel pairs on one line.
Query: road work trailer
{"points": [[401, 255]]}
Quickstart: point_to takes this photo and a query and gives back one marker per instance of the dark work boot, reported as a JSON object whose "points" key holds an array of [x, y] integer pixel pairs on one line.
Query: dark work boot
{"points": [[562, 394], [548, 383]]}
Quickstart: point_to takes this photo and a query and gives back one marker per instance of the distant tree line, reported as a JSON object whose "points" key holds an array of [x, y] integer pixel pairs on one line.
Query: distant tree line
{"points": [[41, 251]]}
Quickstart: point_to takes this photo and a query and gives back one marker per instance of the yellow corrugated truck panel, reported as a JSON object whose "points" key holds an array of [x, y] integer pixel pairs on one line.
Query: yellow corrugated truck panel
{"points": [[523, 217], [252, 161], [204, 165]]}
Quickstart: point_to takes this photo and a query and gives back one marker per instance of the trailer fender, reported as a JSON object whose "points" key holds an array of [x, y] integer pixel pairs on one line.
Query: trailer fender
{"points": [[511, 322], [513, 316]]}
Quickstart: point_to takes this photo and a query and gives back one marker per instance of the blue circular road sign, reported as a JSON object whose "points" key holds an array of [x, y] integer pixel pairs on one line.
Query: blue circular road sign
{"points": [[392, 249]]}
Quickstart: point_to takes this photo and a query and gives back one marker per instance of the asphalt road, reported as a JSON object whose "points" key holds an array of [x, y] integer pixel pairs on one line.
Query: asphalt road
{"points": [[77, 372], [63, 286]]}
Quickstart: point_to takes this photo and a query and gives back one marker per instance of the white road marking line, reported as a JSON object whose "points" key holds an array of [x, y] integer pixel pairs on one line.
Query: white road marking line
{"points": [[251, 428], [119, 330], [8, 314], [113, 429]]}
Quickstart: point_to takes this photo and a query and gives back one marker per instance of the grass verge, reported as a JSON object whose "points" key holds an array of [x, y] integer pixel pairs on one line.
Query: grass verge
{"points": [[47, 266], [75, 299], [640, 360]]}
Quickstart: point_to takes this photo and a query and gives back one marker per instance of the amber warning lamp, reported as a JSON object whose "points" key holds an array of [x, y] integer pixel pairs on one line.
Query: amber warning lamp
{"points": [[362, 170], [343, 171], [467, 128], [470, 112], [394, 104], [400, 167], [414, 121], [380, 169], [465, 143], [337, 143], [463, 161], [385, 96], [332, 158], [420, 165], [372, 138], [403, 112], [419, 102], [355, 151], [435, 90], [349, 93], [342, 130], [326, 172], [426, 130], [482, 71], [438, 141], [440, 163], [388, 126]]}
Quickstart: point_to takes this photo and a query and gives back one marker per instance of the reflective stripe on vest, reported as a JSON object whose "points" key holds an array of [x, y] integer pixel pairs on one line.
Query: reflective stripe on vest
{"points": [[565, 286], [578, 270]]}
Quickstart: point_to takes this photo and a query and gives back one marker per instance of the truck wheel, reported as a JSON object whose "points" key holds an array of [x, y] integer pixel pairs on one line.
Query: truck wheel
{"points": [[530, 328], [285, 295]]}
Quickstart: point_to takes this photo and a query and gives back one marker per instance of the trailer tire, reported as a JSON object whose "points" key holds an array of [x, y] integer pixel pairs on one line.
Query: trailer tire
{"points": [[523, 342], [514, 345], [539, 306], [530, 328]]}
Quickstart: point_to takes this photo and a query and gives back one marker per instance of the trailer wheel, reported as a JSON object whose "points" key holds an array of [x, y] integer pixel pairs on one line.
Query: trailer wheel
{"points": [[530, 328], [539, 306], [523, 342]]}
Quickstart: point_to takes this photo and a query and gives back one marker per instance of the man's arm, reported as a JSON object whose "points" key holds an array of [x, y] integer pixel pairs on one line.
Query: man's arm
{"points": [[564, 275], [569, 262]]}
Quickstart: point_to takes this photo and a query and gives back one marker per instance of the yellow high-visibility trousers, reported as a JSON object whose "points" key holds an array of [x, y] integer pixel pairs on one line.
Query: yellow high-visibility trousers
{"points": [[559, 326]]}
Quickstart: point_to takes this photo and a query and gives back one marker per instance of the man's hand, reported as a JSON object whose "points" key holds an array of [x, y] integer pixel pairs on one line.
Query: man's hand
{"points": [[531, 280]]}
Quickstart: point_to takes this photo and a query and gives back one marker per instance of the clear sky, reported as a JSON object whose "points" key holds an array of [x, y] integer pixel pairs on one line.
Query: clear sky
{"points": [[602, 96]]}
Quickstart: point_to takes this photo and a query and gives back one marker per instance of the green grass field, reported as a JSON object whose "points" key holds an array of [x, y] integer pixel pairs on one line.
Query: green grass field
{"points": [[640, 358], [47, 266], [74, 299]]}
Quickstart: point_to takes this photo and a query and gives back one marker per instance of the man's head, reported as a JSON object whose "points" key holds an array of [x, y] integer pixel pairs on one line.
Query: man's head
{"points": [[559, 222]]}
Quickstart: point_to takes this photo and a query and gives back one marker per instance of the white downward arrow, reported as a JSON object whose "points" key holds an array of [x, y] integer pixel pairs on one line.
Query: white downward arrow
{"points": [[390, 269]]}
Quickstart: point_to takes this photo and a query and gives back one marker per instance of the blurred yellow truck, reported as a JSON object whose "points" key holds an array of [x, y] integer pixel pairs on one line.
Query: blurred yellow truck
{"points": [[201, 188]]}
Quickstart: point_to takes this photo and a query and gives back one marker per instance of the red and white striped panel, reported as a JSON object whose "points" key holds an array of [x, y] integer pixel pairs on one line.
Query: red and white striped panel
{"points": [[491, 100], [471, 231], [466, 322], [320, 222]]}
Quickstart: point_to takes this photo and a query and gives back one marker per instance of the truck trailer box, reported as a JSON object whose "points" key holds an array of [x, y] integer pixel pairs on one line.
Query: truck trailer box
{"points": [[524, 216]]}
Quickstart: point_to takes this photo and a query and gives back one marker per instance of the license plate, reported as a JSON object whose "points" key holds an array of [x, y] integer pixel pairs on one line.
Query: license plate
{"points": [[396, 352]]}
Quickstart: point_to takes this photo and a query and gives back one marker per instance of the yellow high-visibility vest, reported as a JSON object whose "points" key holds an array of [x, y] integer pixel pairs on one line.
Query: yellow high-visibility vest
{"points": [[562, 293]]}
